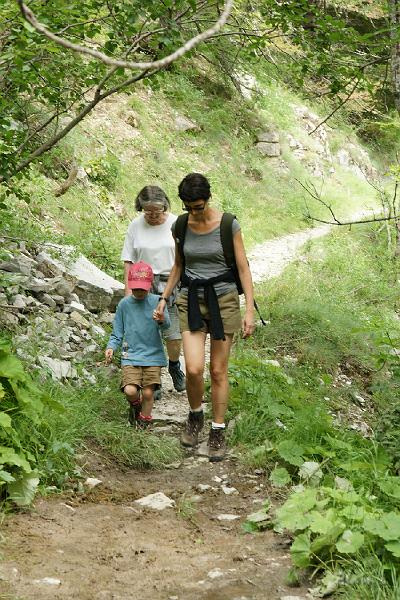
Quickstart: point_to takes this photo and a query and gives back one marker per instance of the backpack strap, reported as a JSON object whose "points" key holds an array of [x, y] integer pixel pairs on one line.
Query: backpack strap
{"points": [[227, 238], [229, 252]]}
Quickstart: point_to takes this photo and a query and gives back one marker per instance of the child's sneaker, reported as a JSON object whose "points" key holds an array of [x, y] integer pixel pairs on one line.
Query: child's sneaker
{"points": [[143, 422], [134, 412], [216, 445]]}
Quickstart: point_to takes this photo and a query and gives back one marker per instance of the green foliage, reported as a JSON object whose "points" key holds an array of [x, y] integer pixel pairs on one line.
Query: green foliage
{"points": [[25, 408]]}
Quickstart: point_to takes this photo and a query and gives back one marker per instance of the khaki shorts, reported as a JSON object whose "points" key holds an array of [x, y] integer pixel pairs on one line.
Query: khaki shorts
{"points": [[229, 307], [140, 376]]}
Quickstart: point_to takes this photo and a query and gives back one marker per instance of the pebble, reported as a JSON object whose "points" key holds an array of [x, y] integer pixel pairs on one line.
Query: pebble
{"points": [[48, 581], [227, 517]]}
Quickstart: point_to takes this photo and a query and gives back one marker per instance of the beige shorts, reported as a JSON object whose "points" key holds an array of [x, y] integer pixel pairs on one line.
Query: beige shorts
{"points": [[229, 307], [140, 376]]}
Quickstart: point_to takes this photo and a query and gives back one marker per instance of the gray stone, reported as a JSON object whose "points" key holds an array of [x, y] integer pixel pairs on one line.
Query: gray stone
{"points": [[59, 369], [19, 301], [37, 285], [157, 501], [8, 318], [48, 265], [227, 517], [106, 318], [269, 149], [59, 300], [97, 330], [79, 319], [47, 300], [78, 307], [183, 124], [19, 264], [268, 136]]}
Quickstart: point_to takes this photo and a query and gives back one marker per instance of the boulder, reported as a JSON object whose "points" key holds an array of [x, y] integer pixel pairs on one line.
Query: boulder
{"points": [[59, 369], [183, 124], [270, 135], [19, 264], [270, 149]]}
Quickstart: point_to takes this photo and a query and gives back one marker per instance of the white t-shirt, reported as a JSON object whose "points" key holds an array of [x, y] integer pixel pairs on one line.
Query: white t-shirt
{"points": [[153, 244]]}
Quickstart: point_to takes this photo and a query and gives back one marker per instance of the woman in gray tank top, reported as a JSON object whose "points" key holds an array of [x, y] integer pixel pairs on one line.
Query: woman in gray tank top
{"points": [[208, 303]]}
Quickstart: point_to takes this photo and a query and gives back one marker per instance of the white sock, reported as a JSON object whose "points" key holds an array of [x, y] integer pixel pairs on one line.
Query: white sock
{"points": [[197, 410], [217, 425]]}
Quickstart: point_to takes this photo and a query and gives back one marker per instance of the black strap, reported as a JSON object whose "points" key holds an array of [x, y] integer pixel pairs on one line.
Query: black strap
{"points": [[225, 229]]}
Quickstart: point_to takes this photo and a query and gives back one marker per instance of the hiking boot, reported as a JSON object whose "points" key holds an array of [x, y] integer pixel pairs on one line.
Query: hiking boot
{"points": [[193, 426], [178, 376], [216, 445], [157, 394], [134, 412]]}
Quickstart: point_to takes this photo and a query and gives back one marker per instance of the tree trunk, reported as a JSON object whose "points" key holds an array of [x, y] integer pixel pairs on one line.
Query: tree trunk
{"points": [[394, 6]]}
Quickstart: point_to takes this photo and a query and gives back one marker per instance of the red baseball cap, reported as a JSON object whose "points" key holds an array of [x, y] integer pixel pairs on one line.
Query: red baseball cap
{"points": [[140, 276]]}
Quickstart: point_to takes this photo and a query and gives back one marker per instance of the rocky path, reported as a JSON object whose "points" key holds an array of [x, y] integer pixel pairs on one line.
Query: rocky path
{"points": [[102, 545]]}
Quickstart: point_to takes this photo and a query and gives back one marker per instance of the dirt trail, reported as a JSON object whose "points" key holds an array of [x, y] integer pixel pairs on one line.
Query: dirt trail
{"points": [[101, 545]]}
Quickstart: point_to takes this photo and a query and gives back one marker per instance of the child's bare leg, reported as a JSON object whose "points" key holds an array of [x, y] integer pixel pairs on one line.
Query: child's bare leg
{"points": [[132, 394], [147, 400]]}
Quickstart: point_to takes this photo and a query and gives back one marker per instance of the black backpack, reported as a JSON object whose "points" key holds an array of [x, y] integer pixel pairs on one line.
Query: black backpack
{"points": [[225, 229]]}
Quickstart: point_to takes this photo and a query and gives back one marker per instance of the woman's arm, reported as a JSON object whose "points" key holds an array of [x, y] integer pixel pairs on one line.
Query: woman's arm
{"points": [[247, 283], [127, 264]]}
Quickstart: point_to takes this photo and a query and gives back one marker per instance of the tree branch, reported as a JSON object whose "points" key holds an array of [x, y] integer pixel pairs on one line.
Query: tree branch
{"points": [[157, 64]]}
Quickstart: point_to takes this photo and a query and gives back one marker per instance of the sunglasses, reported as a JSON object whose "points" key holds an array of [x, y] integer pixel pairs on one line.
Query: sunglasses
{"points": [[190, 208]]}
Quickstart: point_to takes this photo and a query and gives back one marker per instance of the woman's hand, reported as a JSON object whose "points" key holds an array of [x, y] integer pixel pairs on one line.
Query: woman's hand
{"points": [[248, 324], [109, 354], [158, 313]]}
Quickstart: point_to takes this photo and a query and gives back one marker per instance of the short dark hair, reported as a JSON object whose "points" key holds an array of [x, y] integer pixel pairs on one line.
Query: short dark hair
{"points": [[152, 193], [194, 187]]}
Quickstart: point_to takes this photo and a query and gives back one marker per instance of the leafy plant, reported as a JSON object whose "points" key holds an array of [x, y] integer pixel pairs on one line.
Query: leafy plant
{"points": [[24, 407]]}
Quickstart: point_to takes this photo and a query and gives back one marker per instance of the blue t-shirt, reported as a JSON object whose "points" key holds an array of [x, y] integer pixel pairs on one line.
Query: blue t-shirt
{"points": [[139, 334]]}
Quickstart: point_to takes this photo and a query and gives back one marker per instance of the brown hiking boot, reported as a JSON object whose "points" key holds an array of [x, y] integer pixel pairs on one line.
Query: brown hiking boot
{"points": [[216, 445], [193, 426]]}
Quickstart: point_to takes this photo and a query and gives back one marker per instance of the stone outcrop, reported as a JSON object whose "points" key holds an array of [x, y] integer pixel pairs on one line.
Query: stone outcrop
{"points": [[57, 305]]}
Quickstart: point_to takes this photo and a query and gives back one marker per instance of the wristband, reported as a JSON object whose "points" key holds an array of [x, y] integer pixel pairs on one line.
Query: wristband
{"points": [[163, 298]]}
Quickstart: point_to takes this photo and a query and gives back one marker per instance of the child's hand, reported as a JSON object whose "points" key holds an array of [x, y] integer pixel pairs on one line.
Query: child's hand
{"points": [[109, 354], [158, 316]]}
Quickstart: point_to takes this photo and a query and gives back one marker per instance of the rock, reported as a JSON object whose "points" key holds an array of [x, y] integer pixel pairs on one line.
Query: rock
{"points": [[48, 581], [97, 330], [48, 265], [229, 490], [203, 487], [18, 264], [37, 285], [269, 149], [247, 84], [89, 377], [217, 479], [63, 286], [8, 318], [157, 501], [19, 301], [270, 136], [78, 307], [171, 418], [227, 517], [59, 369], [106, 318], [215, 573], [183, 124], [59, 300], [78, 319], [92, 482], [48, 300]]}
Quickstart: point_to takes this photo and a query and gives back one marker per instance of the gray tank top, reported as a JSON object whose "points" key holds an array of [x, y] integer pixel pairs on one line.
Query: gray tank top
{"points": [[204, 258]]}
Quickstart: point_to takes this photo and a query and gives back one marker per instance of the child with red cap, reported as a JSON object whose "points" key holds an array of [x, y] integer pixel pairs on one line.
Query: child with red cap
{"points": [[137, 326]]}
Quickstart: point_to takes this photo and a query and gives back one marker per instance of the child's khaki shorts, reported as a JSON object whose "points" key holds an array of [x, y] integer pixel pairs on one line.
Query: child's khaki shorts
{"points": [[140, 376], [229, 307]]}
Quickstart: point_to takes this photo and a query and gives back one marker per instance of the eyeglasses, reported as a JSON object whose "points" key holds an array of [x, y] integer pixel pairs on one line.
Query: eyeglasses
{"points": [[151, 211], [190, 208]]}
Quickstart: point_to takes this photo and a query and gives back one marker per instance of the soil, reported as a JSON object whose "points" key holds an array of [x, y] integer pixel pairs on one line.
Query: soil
{"points": [[100, 544]]}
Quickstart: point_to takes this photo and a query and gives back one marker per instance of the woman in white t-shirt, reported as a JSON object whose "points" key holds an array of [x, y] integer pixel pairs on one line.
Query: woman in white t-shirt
{"points": [[149, 239]]}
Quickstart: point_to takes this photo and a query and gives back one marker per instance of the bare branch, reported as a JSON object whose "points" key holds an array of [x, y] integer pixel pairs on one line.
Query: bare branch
{"points": [[157, 64], [346, 99]]}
